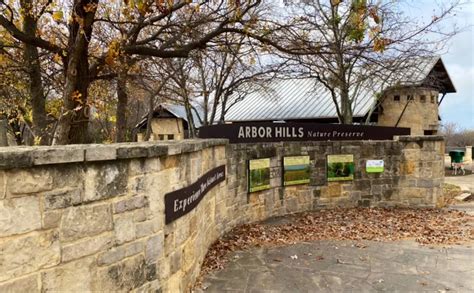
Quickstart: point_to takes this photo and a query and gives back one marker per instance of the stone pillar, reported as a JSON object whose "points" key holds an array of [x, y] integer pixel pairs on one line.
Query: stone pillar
{"points": [[468, 154]]}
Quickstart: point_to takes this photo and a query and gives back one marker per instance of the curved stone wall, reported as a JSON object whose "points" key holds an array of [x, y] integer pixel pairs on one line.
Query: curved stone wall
{"points": [[92, 218]]}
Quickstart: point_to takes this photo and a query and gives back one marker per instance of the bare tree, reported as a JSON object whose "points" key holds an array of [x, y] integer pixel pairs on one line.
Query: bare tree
{"points": [[347, 46], [180, 88], [154, 84], [178, 26], [228, 72], [455, 136]]}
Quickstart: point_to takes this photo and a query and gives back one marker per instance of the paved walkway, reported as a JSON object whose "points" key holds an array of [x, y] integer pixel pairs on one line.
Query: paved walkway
{"points": [[347, 266], [465, 182], [467, 185]]}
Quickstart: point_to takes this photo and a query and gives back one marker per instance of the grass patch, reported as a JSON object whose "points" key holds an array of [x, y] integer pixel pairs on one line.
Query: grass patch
{"points": [[450, 191]]}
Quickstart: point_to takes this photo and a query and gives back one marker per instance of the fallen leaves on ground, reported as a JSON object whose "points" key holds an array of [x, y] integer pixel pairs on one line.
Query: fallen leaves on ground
{"points": [[426, 226]]}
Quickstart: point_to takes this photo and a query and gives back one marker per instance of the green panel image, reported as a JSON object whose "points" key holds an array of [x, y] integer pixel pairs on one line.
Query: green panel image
{"points": [[259, 175], [296, 170], [374, 166], [340, 167]]}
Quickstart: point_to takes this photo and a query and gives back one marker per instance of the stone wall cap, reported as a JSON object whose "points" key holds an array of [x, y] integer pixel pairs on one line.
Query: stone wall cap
{"points": [[409, 138], [16, 157], [29, 156]]}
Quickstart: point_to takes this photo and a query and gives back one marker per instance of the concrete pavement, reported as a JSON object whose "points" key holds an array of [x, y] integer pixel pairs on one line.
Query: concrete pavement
{"points": [[465, 182], [347, 266]]}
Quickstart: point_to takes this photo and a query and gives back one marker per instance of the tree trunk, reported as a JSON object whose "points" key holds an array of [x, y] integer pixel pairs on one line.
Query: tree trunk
{"points": [[15, 126], [121, 114], [346, 107], [3, 132], [215, 104], [151, 106], [222, 117], [73, 123], [225, 96], [206, 109], [33, 67], [79, 132], [189, 114]]}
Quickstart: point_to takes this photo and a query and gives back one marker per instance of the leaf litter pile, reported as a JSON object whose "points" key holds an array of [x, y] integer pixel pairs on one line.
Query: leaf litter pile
{"points": [[426, 226]]}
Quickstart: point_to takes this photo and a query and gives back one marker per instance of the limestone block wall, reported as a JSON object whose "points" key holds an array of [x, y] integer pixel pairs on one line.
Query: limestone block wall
{"points": [[91, 218], [413, 176], [421, 114], [468, 154], [161, 128]]}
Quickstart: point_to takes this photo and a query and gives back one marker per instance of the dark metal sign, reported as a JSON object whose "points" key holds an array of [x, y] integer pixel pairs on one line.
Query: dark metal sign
{"points": [[275, 132], [180, 202]]}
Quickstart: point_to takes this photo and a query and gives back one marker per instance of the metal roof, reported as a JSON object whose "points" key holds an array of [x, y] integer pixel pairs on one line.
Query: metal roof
{"points": [[288, 100], [298, 99], [180, 112], [177, 111], [307, 99]]}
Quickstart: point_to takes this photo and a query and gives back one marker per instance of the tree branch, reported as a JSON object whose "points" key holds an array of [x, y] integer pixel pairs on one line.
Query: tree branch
{"points": [[35, 41]]}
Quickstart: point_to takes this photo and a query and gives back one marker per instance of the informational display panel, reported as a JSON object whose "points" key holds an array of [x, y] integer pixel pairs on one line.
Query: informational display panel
{"points": [[296, 170], [259, 174], [340, 167], [374, 166]]}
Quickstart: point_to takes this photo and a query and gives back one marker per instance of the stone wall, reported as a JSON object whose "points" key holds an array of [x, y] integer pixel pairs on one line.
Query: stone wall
{"points": [[419, 115], [82, 218], [413, 176], [164, 127], [468, 154]]}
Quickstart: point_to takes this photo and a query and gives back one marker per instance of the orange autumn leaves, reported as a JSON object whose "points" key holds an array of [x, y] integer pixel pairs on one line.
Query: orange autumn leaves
{"points": [[113, 53], [359, 18]]}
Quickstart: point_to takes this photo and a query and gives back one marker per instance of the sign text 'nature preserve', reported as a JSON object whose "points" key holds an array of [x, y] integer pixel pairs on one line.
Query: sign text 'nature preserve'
{"points": [[274, 132], [180, 202]]}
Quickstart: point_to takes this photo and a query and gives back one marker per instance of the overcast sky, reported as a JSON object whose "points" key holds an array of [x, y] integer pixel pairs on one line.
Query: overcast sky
{"points": [[459, 61]]}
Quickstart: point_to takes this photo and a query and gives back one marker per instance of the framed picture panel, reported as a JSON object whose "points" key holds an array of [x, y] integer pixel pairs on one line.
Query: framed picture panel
{"points": [[258, 175], [340, 167], [296, 170]]}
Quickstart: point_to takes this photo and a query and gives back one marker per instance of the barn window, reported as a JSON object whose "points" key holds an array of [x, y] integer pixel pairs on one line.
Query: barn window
{"points": [[396, 98], [423, 99]]}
